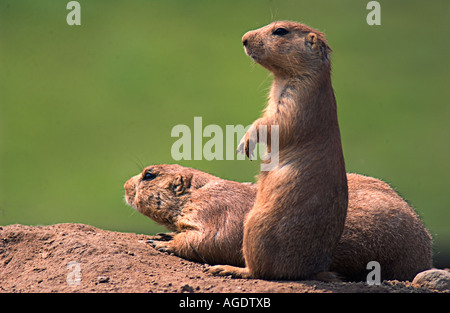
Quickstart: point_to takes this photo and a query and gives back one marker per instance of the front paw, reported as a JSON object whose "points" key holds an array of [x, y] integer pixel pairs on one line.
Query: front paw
{"points": [[166, 246], [241, 146], [248, 143], [228, 270]]}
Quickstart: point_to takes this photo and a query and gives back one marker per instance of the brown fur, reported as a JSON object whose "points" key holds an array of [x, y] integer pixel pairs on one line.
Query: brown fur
{"points": [[193, 204], [208, 215], [299, 212], [381, 226]]}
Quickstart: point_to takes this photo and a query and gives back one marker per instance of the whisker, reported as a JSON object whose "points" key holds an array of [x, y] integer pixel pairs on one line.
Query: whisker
{"points": [[273, 16], [137, 161]]}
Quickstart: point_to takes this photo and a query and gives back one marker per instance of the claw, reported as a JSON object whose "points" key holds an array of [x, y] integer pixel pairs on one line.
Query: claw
{"points": [[241, 147], [165, 236]]}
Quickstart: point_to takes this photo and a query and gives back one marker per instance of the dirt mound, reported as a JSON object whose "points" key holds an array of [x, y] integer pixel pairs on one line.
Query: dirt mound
{"points": [[82, 258]]}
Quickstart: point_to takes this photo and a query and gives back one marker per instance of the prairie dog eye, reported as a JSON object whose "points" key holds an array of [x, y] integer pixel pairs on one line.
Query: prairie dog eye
{"points": [[280, 32], [148, 176]]}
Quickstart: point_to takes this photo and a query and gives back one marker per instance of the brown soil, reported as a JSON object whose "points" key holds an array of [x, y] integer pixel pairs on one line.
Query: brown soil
{"points": [[36, 258]]}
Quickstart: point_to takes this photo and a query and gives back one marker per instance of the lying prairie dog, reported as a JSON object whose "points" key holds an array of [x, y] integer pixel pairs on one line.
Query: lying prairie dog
{"points": [[206, 215]]}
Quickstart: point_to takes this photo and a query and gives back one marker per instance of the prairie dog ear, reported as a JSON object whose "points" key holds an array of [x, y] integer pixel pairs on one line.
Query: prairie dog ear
{"points": [[311, 40], [181, 183], [314, 43]]}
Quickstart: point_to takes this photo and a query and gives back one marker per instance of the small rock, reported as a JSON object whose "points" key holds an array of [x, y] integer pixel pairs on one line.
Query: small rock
{"points": [[434, 279], [187, 288], [39, 269], [103, 279]]}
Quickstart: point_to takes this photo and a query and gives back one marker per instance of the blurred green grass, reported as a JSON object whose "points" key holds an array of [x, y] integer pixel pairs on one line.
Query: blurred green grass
{"points": [[83, 108]]}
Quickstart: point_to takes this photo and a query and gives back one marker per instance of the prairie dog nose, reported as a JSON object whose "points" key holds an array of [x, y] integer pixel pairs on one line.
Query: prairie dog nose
{"points": [[245, 39]]}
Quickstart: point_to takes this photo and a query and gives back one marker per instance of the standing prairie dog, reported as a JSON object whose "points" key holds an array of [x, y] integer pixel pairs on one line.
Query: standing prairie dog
{"points": [[207, 215], [299, 212]]}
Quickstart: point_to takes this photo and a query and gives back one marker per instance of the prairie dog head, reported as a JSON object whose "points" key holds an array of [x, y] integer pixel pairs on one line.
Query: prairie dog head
{"points": [[163, 192], [288, 48], [160, 192]]}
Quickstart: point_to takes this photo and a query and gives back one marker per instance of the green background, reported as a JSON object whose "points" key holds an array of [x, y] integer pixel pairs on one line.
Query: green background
{"points": [[83, 108]]}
